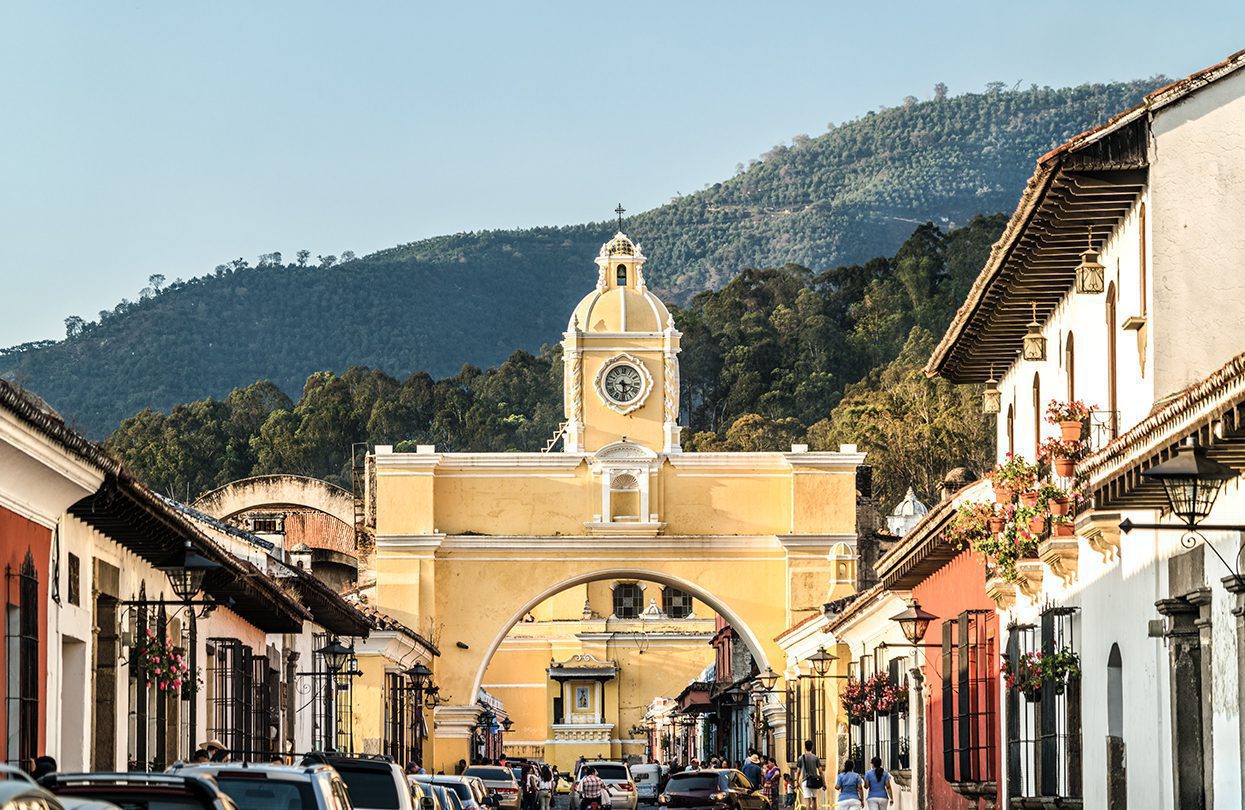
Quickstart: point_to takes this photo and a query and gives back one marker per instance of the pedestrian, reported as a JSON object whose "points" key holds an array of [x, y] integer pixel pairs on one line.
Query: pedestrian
{"points": [[770, 779], [216, 750], [878, 781], [460, 767], [44, 766], [851, 788], [591, 787], [200, 757], [545, 788], [810, 776], [753, 771]]}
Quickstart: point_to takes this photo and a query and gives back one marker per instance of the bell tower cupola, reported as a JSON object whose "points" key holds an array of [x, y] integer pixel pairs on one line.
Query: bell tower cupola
{"points": [[620, 355]]}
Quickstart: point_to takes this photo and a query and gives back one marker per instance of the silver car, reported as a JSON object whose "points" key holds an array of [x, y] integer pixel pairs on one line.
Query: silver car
{"points": [[500, 783], [619, 785], [471, 792], [263, 787]]}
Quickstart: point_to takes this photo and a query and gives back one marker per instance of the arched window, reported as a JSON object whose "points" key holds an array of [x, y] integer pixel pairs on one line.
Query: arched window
{"points": [[1141, 256], [1112, 393], [1115, 693], [622, 275], [1069, 366], [628, 600], [1011, 429], [1037, 413], [676, 603]]}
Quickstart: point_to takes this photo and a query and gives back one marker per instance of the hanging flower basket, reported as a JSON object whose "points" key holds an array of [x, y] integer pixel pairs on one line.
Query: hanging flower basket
{"points": [[162, 662], [1064, 467], [1070, 416], [1071, 431], [1033, 695]]}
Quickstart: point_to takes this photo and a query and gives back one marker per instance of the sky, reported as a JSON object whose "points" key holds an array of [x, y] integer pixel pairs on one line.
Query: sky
{"points": [[156, 137]]}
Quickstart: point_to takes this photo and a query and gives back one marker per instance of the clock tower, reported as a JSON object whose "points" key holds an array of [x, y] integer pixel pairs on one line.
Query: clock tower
{"points": [[620, 360]]}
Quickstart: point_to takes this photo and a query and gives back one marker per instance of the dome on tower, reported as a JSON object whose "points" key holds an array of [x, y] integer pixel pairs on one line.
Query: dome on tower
{"points": [[621, 301], [907, 514], [621, 245]]}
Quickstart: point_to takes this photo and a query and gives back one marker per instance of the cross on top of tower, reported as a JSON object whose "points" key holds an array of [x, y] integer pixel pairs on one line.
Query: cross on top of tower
{"points": [[620, 211]]}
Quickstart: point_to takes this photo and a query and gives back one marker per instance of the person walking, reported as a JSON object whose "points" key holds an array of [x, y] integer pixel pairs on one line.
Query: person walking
{"points": [[878, 782], [770, 780], [810, 776], [544, 789], [851, 788], [591, 787], [531, 787]]}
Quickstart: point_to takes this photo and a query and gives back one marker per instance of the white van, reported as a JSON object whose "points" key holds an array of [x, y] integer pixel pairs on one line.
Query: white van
{"points": [[648, 778]]}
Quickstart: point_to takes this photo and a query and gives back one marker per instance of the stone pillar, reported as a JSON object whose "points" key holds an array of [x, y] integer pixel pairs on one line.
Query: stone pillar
{"points": [[1184, 647], [775, 714], [452, 727], [1236, 585], [916, 731]]}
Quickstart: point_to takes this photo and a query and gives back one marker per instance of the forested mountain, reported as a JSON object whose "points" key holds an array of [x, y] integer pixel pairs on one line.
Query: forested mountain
{"points": [[766, 359], [850, 194]]}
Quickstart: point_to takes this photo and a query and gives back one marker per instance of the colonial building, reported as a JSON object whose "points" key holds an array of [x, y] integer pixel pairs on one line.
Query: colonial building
{"points": [[1117, 282], [472, 543]]}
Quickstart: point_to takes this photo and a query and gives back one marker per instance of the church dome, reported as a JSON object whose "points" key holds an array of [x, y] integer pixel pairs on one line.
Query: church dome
{"points": [[907, 514], [620, 245], [621, 301]]}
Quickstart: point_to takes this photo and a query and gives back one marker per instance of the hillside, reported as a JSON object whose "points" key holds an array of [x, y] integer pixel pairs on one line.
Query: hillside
{"points": [[850, 194]]}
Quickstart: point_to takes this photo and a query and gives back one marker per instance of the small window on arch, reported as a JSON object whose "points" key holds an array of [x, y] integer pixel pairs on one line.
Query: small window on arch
{"points": [[622, 275], [628, 600], [676, 604]]}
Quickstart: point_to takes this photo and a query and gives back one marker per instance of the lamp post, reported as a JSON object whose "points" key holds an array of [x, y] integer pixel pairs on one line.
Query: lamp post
{"points": [[1191, 482], [420, 676], [335, 655], [914, 622], [186, 575]]}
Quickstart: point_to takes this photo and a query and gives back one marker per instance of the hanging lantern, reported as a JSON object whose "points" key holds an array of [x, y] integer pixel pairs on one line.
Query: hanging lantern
{"points": [[991, 397], [1034, 347], [1090, 274]]}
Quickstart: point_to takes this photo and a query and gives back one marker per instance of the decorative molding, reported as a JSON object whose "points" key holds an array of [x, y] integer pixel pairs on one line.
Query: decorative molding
{"points": [[624, 528], [1101, 531], [1060, 554], [1001, 592], [1030, 582]]}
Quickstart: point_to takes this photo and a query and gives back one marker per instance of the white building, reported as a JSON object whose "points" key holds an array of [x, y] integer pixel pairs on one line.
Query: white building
{"points": [[1160, 194]]}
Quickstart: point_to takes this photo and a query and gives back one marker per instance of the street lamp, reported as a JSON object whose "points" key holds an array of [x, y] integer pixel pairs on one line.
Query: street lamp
{"points": [[820, 661], [914, 622], [1192, 482], [186, 575], [335, 655], [768, 679], [507, 724]]}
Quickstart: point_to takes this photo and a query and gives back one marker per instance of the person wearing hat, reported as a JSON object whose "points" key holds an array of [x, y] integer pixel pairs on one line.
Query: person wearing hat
{"points": [[216, 750]]}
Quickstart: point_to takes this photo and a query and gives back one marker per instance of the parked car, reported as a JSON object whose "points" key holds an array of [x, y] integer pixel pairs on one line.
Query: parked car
{"points": [[425, 799], [183, 791], [500, 782], [315, 786], [618, 783], [720, 789], [18, 790], [648, 778], [471, 792], [374, 782]]}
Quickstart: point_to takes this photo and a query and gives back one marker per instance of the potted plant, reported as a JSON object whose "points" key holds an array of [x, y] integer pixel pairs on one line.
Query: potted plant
{"points": [[161, 660], [885, 695], [853, 699], [1062, 455], [1061, 526], [1060, 665], [1070, 416], [1025, 675], [1012, 476], [970, 524]]}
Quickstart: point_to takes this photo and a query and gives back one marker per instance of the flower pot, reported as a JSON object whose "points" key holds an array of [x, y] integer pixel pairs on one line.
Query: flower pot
{"points": [[1059, 506], [997, 524], [883, 713], [1060, 686], [1037, 524], [1065, 530], [1064, 467], [1028, 499], [1071, 430], [856, 721], [1033, 695], [1003, 493]]}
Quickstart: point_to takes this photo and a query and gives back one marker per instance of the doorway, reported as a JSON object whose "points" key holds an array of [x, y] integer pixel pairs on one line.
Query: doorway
{"points": [[73, 696]]}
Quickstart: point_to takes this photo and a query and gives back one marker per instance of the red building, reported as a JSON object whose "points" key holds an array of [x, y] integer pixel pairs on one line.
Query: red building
{"points": [[961, 659]]}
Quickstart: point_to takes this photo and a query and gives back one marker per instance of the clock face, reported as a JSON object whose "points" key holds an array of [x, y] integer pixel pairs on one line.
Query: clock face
{"points": [[623, 383]]}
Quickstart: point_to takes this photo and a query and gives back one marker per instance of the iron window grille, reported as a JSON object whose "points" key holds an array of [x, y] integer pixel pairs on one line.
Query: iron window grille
{"points": [[403, 726], [74, 579], [1044, 736], [969, 687], [22, 660], [231, 713], [628, 600], [795, 729], [675, 603]]}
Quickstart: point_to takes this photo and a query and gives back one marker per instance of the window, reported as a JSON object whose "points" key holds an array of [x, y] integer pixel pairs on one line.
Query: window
{"points": [[1112, 391], [74, 576], [628, 600], [1141, 257], [22, 653], [675, 603], [403, 729], [969, 696], [267, 524], [231, 707], [1037, 414], [1044, 728], [1069, 366], [884, 735], [622, 275]]}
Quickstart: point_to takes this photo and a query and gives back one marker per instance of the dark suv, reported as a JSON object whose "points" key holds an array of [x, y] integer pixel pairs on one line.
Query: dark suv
{"points": [[712, 790], [181, 791], [374, 782]]}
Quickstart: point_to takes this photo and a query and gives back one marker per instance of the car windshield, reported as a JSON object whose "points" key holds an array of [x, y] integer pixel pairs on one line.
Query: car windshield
{"points": [[490, 774], [614, 772], [693, 781], [256, 794], [370, 787]]}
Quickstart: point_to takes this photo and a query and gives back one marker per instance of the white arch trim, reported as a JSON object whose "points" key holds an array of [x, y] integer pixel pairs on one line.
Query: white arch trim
{"points": [[745, 632]]}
